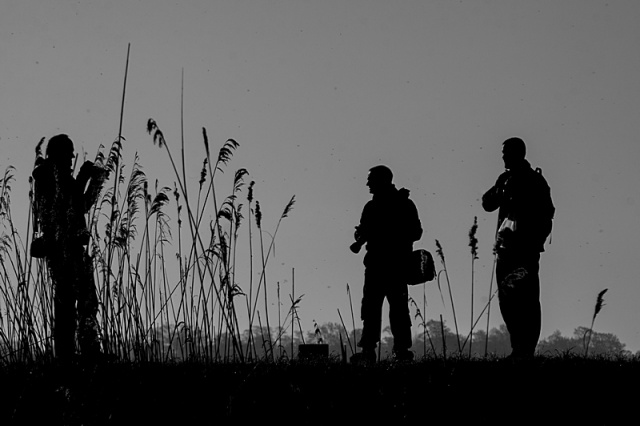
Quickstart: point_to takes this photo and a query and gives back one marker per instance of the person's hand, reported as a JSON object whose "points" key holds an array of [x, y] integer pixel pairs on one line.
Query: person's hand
{"points": [[502, 180], [86, 169]]}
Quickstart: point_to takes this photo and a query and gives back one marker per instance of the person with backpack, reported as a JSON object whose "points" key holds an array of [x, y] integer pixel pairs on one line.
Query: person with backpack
{"points": [[60, 203], [525, 218], [389, 226]]}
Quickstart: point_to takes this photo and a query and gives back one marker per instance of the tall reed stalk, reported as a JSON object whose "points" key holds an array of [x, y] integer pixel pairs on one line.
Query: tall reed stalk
{"points": [[596, 311], [114, 161], [423, 323], [473, 243], [493, 271], [346, 332], [353, 320], [440, 253], [473, 325]]}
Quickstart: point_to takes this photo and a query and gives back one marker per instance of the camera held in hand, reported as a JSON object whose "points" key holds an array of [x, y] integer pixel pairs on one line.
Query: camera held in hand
{"points": [[357, 246], [360, 241]]}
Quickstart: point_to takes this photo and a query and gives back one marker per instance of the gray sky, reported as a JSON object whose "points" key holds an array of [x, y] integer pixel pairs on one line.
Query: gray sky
{"points": [[316, 93]]}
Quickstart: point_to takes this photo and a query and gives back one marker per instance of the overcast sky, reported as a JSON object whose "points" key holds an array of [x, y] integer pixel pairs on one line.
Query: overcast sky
{"points": [[318, 92]]}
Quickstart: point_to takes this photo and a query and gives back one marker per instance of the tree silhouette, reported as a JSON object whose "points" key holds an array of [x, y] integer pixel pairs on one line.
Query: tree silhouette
{"points": [[601, 343]]}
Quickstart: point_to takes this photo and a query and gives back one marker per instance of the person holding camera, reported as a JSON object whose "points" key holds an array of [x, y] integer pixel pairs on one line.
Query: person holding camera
{"points": [[60, 204], [525, 217], [389, 226]]}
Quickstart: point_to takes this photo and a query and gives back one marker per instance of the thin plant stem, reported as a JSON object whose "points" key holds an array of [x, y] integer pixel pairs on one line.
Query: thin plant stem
{"points": [[279, 321], [107, 275], [266, 303], [598, 307], [293, 293], [440, 253], [346, 333], [473, 243], [486, 338], [353, 321], [479, 317], [444, 341]]}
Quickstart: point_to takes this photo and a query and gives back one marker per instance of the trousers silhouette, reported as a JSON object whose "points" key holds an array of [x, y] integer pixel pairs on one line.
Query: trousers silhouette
{"points": [[378, 284], [519, 298]]}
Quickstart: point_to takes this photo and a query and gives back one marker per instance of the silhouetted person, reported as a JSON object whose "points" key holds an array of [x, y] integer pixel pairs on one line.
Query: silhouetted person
{"points": [[524, 223], [60, 205], [388, 226]]}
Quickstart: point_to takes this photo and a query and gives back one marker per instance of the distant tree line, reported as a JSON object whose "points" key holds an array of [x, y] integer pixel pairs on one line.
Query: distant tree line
{"points": [[430, 341]]}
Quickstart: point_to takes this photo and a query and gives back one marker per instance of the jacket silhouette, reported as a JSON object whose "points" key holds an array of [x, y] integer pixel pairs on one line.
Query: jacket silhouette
{"points": [[389, 226], [525, 217], [523, 197]]}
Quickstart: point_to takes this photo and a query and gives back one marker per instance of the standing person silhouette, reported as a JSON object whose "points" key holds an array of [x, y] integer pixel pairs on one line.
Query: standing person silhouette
{"points": [[389, 225], [60, 205], [524, 223]]}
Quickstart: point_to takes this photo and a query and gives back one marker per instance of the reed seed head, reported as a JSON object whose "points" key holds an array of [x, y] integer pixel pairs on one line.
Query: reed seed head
{"points": [[599, 302], [250, 191], [203, 172], [258, 215], [288, 207], [439, 251], [158, 136], [473, 241], [206, 141]]}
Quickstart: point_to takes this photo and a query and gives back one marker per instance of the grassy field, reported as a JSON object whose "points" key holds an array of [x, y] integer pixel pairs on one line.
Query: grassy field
{"points": [[149, 318], [547, 390], [170, 290]]}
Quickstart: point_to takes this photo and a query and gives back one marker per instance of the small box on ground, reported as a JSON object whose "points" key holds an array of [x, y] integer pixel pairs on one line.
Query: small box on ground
{"points": [[313, 351]]}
